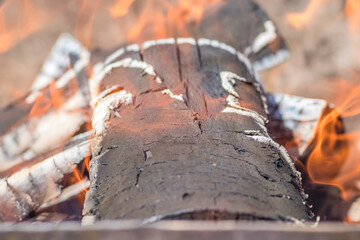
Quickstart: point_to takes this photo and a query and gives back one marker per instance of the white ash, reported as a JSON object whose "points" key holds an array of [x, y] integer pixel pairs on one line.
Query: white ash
{"points": [[165, 41], [148, 44], [300, 115], [104, 107], [66, 77], [233, 106], [58, 61], [106, 92], [177, 97], [186, 41], [271, 60], [148, 154], [242, 58], [133, 48], [121, 51], [41, 134], [204, 42], [247, 113], [125, 63], [228, 80], [114, 56], [264, 38], [216, 44], [27, 189], [152, 43]]}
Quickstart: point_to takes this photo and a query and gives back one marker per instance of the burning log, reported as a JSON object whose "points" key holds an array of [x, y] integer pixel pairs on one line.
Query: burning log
{"points": [[248, 29], [30, 126], [28, 189], [293, 121], [180, 134]]}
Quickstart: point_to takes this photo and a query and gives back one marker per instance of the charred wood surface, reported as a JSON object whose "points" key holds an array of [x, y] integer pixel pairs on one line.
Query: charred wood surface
{"points": [[180, 134]]}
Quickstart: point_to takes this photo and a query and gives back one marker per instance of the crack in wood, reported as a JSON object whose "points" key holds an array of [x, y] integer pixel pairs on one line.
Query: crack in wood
{"points": [[178, 60], [139, 171]]}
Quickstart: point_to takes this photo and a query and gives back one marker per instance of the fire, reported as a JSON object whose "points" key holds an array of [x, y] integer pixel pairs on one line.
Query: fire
{"points": [[85, 21], [45, 101], [163, 19], [120, 8], [16, 27], [352, 12], [299, 20], [335, 157]]}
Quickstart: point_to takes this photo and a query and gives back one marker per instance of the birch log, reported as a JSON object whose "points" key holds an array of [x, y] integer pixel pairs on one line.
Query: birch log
{"points": [[180, 133], [56, 107], [28, 189]]}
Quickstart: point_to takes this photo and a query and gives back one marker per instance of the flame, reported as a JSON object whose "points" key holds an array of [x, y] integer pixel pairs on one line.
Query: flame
{"points": [[53, 99], [85, 21], [335, 157], [120, 8], [352, 12], [300, 20], [163, 19], [14, 29]]}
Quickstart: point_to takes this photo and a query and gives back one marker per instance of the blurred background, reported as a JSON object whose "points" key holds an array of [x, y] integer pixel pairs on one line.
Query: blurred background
{"points": [[323, 37]]}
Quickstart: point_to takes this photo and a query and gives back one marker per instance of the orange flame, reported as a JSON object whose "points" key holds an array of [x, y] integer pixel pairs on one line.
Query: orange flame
{"points": [[352, 12], [85, 21], [300, 20], [14, 29], [45, 101], [120, 8], [162, 19], [335, 157]]}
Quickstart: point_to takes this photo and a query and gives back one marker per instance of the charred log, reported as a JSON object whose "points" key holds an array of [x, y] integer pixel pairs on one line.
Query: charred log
{"points": [[180, 134]]}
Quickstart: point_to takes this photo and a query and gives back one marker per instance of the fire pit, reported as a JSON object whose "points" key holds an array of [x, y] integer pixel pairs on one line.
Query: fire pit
{"points": [[170, 120]]}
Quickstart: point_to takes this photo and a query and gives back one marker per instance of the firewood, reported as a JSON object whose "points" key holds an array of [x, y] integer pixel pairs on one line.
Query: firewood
{"points": [[26, 190], [180, 134], [39, 121], [66, 194], [245, 26], [294, 119]]}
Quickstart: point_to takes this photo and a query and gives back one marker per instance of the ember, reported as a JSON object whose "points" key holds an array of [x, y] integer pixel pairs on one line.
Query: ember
{"points": [[155, 110]]}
